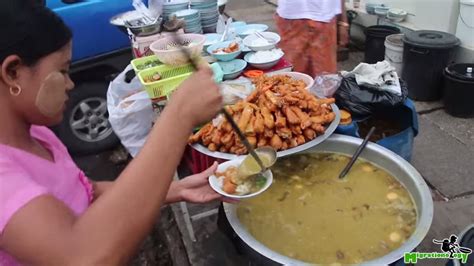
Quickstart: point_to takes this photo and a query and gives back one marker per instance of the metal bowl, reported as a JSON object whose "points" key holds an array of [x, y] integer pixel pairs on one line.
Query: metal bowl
{"points": [[394, 164], [146, 29]]}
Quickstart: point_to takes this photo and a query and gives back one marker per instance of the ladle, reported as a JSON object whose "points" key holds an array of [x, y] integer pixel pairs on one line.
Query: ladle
{"points": [[356, 154]]}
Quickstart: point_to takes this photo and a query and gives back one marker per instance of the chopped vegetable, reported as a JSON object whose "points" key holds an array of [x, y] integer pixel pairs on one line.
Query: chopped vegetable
{"points": [[253, 73]]}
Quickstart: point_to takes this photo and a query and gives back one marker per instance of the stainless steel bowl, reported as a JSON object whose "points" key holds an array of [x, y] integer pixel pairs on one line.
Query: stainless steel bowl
{"points": [[397, 166], [145, 30]]}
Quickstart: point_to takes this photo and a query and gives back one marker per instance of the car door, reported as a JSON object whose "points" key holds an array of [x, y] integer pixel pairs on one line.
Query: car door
{"points": [[93, 35]]}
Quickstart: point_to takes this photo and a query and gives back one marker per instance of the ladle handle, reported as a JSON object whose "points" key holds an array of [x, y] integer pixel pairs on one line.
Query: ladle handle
{"points": [[356, 154]]}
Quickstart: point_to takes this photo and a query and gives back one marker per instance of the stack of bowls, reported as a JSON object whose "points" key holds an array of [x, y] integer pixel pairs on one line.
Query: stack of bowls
{"points": [[396, 14], [192, 19], [209, 14], [171, 7]]}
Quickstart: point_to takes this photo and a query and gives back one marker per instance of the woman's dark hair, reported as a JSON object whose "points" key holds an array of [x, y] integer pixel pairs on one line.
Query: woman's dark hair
{"points": [[30, 30]]}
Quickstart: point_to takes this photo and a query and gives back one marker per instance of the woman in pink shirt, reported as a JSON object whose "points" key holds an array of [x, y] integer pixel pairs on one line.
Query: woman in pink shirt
{"points": [[50, 213]]}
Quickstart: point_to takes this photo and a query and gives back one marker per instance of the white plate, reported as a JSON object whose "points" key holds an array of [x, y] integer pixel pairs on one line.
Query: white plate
{"points": [[229, 156], [214, 182]]}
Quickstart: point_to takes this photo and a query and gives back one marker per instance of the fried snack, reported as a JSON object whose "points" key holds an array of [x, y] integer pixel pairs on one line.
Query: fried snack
{"points": [[291, 116], [280, 112], [245, 118], [268, 119], [276, 142]]}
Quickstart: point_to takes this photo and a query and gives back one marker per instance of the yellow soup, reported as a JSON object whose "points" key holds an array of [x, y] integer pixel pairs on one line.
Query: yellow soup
{"points": [[310, 215]]}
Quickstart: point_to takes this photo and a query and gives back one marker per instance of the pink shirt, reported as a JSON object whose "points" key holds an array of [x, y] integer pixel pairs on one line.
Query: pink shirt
{"points": [[25, 176]]}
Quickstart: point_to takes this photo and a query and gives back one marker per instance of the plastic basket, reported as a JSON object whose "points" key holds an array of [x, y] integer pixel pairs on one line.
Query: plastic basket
{"points": [[171, 78], [140, 64]]}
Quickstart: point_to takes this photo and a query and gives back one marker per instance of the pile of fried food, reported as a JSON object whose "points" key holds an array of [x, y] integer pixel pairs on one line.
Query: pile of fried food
{"points": [[280, 113], [233, 47]]}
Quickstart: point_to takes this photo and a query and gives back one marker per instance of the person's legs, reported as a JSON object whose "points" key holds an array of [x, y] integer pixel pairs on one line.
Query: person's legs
{"points": [[323, 47], [311, 46], [294, 42]]}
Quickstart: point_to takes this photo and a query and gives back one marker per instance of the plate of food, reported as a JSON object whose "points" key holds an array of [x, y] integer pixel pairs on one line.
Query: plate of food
{"points": [[280, 113], [228, 181]]}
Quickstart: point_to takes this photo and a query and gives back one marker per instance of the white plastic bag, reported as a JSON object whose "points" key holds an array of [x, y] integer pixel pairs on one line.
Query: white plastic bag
{"points": [[130, 112], [236, 90], [325, 85]]}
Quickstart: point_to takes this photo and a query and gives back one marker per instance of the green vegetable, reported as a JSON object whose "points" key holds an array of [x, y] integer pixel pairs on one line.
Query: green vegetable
{"points": [[260, 181]]}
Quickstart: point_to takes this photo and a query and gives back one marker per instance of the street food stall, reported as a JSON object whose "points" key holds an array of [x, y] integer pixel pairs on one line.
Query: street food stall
{"points": [[379, 210]]}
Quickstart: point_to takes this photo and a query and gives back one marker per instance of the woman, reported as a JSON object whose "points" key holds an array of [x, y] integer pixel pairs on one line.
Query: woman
{"points": [[50, 214], [309, 33]]}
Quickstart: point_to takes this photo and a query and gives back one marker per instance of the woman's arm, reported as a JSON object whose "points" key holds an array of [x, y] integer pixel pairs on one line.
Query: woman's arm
{"points": [[46, 232], [100, 187]]}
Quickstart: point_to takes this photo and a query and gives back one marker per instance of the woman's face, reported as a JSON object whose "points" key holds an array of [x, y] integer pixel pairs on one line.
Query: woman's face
{"points": [[44, 88]]}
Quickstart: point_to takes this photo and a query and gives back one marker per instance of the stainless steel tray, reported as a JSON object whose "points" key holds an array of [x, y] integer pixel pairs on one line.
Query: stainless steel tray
{"points": [[229, 156]]}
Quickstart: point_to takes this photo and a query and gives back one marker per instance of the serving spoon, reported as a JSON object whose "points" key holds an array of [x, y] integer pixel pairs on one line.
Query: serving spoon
{"points": [[356, 154]]}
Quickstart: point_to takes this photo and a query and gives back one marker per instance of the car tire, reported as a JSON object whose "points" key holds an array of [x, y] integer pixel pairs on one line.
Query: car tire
{"points": [[85, 128]]}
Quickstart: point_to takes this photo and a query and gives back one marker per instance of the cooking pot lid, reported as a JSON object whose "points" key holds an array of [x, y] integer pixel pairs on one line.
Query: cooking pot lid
{"points": [[431, 39], [461, 71]]}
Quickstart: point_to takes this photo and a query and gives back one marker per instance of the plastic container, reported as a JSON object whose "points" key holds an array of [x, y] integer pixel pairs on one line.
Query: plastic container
{"points": [[170, 78], [400, 143], [394, 52], [141, 45], [175, 56], [459, 90], [425, 55], [146, 62], [374, 42]]}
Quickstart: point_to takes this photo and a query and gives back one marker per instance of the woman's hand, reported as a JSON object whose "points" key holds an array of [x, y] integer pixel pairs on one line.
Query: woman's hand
{"points": [[198, 99], [195, 189]]}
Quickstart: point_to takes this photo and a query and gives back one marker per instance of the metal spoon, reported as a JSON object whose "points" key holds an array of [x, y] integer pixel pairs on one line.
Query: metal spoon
{"points": [[356, 154], [260, 35]]}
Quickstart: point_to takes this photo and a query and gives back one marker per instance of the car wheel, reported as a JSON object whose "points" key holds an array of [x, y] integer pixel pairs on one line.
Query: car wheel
{"points": [[86, 128]]}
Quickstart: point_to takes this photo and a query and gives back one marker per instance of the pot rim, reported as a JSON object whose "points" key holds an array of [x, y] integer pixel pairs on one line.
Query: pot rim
{"points": [[425, 210]]}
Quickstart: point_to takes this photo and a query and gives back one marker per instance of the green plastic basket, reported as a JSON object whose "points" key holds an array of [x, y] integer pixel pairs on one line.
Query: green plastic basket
{"points": [[171, 78], [142, 63]]}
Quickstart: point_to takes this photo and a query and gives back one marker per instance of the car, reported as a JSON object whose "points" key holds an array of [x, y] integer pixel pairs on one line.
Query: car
{"points": [[100, 52]]}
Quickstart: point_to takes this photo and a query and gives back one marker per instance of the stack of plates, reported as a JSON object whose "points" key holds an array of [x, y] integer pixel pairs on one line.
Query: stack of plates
{"points": [[192, 20], [173, 6], [209, 14]]}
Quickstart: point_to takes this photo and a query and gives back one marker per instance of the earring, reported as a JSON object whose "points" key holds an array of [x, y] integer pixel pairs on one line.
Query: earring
{"points": [[15, 91]]}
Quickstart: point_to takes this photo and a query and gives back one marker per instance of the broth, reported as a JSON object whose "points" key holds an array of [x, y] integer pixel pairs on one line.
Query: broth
{"points": [[310, 215]]}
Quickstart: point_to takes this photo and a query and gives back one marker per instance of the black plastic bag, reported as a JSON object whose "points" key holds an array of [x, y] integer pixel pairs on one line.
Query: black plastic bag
{"points": [[363, 101]]}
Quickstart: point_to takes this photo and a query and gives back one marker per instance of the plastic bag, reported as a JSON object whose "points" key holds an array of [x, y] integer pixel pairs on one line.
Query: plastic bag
{"points": [[362, 101], [326, 85], [130, 112], [235, 90]]}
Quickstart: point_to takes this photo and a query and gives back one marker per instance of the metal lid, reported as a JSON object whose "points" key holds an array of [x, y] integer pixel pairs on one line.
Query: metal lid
{"points": [[461, 71], [431, 39]]}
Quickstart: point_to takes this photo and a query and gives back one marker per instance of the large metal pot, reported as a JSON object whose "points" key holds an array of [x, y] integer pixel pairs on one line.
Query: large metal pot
{"points": [[397, 166]]}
